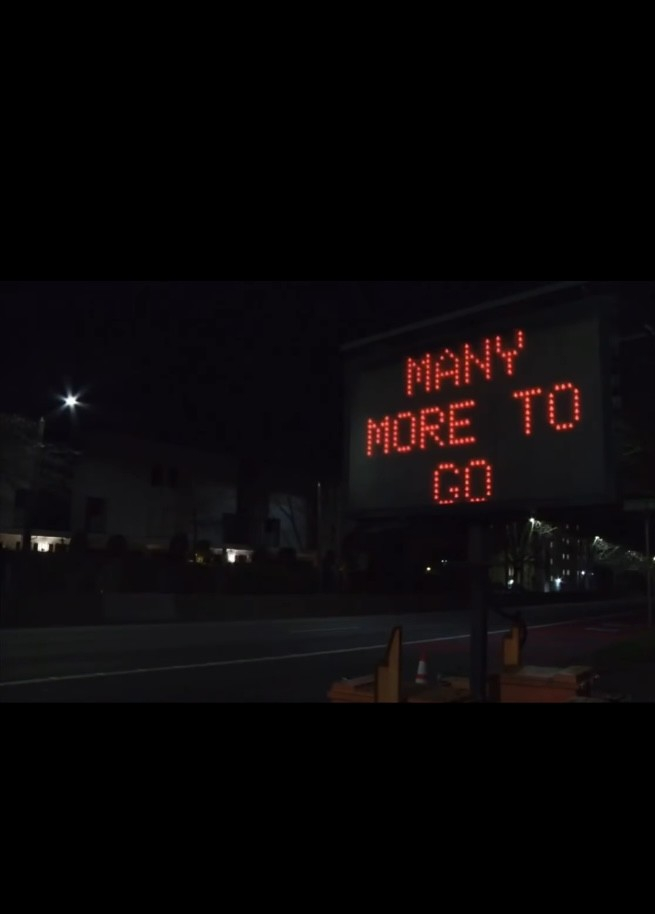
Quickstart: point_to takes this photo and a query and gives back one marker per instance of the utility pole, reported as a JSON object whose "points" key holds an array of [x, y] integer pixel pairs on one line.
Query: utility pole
{"points": [[649, 570], [477, 566], [32, 495], [319, 537]]}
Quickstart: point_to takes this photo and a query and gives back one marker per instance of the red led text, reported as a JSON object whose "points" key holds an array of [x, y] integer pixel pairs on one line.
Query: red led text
{"points": [[481, 360], [378, 434], [431, 421], [509, 355], [404, 430], [472, 483], [455, 422], [564, 411], [429, 373], [426, 428], [451, 425], [563, 406]]}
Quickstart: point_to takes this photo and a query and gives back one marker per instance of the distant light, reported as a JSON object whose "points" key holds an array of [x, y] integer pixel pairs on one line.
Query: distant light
{"points": [[583, 572], [510, 583], [558, 581], [444, 561], [48, 543], [70, 401], [533, 520], [428, 569]]}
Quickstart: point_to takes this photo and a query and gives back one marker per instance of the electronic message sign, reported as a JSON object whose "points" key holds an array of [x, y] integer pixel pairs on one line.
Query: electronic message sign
{"points": [[512, 416]]}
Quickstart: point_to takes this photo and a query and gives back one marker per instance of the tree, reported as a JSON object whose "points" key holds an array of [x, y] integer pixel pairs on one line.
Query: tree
{"points": [[526, 547], [20, 445], [519, 550], [289, 507], [618, 557]]}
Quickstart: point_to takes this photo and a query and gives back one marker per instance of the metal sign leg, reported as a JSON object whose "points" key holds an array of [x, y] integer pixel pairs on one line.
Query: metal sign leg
{"points": [[479, 613]]}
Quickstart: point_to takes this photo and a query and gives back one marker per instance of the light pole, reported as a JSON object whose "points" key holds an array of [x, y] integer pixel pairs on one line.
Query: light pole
{"points": [[319, 537], [649, 570], [69, 402]]}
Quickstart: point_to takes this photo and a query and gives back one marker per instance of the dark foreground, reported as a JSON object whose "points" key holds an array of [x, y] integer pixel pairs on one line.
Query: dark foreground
{"points": [[276, 661]]}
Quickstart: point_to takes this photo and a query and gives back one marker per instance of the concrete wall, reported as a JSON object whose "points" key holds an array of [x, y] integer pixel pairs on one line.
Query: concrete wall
{"points": [[146, 607], [93, 609], [232, 607]]}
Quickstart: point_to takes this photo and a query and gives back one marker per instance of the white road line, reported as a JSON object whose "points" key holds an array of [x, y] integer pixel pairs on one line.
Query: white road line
{"points": [[246, 660], [319, 631]]}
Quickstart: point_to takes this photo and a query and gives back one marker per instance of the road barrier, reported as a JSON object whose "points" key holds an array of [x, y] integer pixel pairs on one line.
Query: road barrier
{"points": [[386, 686], [516, 684], [545, 684]]}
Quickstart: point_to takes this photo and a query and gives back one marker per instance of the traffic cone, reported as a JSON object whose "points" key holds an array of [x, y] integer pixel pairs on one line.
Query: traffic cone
{"points": [[422, 672]]}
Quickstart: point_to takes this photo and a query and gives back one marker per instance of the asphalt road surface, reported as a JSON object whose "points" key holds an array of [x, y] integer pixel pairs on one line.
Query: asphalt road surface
{"points": [[272, 661]]}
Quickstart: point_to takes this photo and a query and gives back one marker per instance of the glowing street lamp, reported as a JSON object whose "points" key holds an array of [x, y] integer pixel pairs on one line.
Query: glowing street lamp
{"points": [[71, 401]]}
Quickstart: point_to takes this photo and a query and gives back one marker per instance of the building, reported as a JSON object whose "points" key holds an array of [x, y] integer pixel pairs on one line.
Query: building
{"points": [[147, 492], [277, 507], [35, 485]]}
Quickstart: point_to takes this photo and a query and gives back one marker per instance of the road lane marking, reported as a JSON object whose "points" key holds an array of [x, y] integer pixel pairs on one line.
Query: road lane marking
{"points": [[320, 631], [213, 664]]}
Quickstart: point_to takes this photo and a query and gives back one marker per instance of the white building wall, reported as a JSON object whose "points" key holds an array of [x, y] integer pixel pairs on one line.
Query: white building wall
{"points": [[119, 470], [125, 492], [147, 514]]}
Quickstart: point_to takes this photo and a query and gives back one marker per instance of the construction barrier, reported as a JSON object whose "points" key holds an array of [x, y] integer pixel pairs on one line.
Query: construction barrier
{"points": [[545, 684], [386, 685], [516, 684]]}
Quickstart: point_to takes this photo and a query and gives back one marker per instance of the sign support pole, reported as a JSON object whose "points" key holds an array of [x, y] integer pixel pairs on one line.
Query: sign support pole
{"points": [[649, 570], [479, 612]]}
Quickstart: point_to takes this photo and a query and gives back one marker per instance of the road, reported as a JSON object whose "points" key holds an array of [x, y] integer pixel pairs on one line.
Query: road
{"points": [[273, 661]]}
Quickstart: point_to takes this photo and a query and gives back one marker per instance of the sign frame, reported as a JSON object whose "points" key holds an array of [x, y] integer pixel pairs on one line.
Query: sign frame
{"points": [[451, 328]]}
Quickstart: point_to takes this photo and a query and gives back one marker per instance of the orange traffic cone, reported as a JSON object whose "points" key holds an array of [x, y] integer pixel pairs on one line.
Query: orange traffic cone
{"points": [[422, 672]]}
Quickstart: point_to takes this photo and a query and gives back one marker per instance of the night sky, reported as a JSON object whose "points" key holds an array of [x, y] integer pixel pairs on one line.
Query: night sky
{"points": [[251, 367]]}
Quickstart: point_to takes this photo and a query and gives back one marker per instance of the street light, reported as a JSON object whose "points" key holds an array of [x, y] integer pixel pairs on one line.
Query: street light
{"points": [[71, 401]]}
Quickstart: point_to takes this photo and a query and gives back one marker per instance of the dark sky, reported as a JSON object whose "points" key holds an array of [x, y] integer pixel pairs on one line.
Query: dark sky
{"points": [[249, 365]]}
